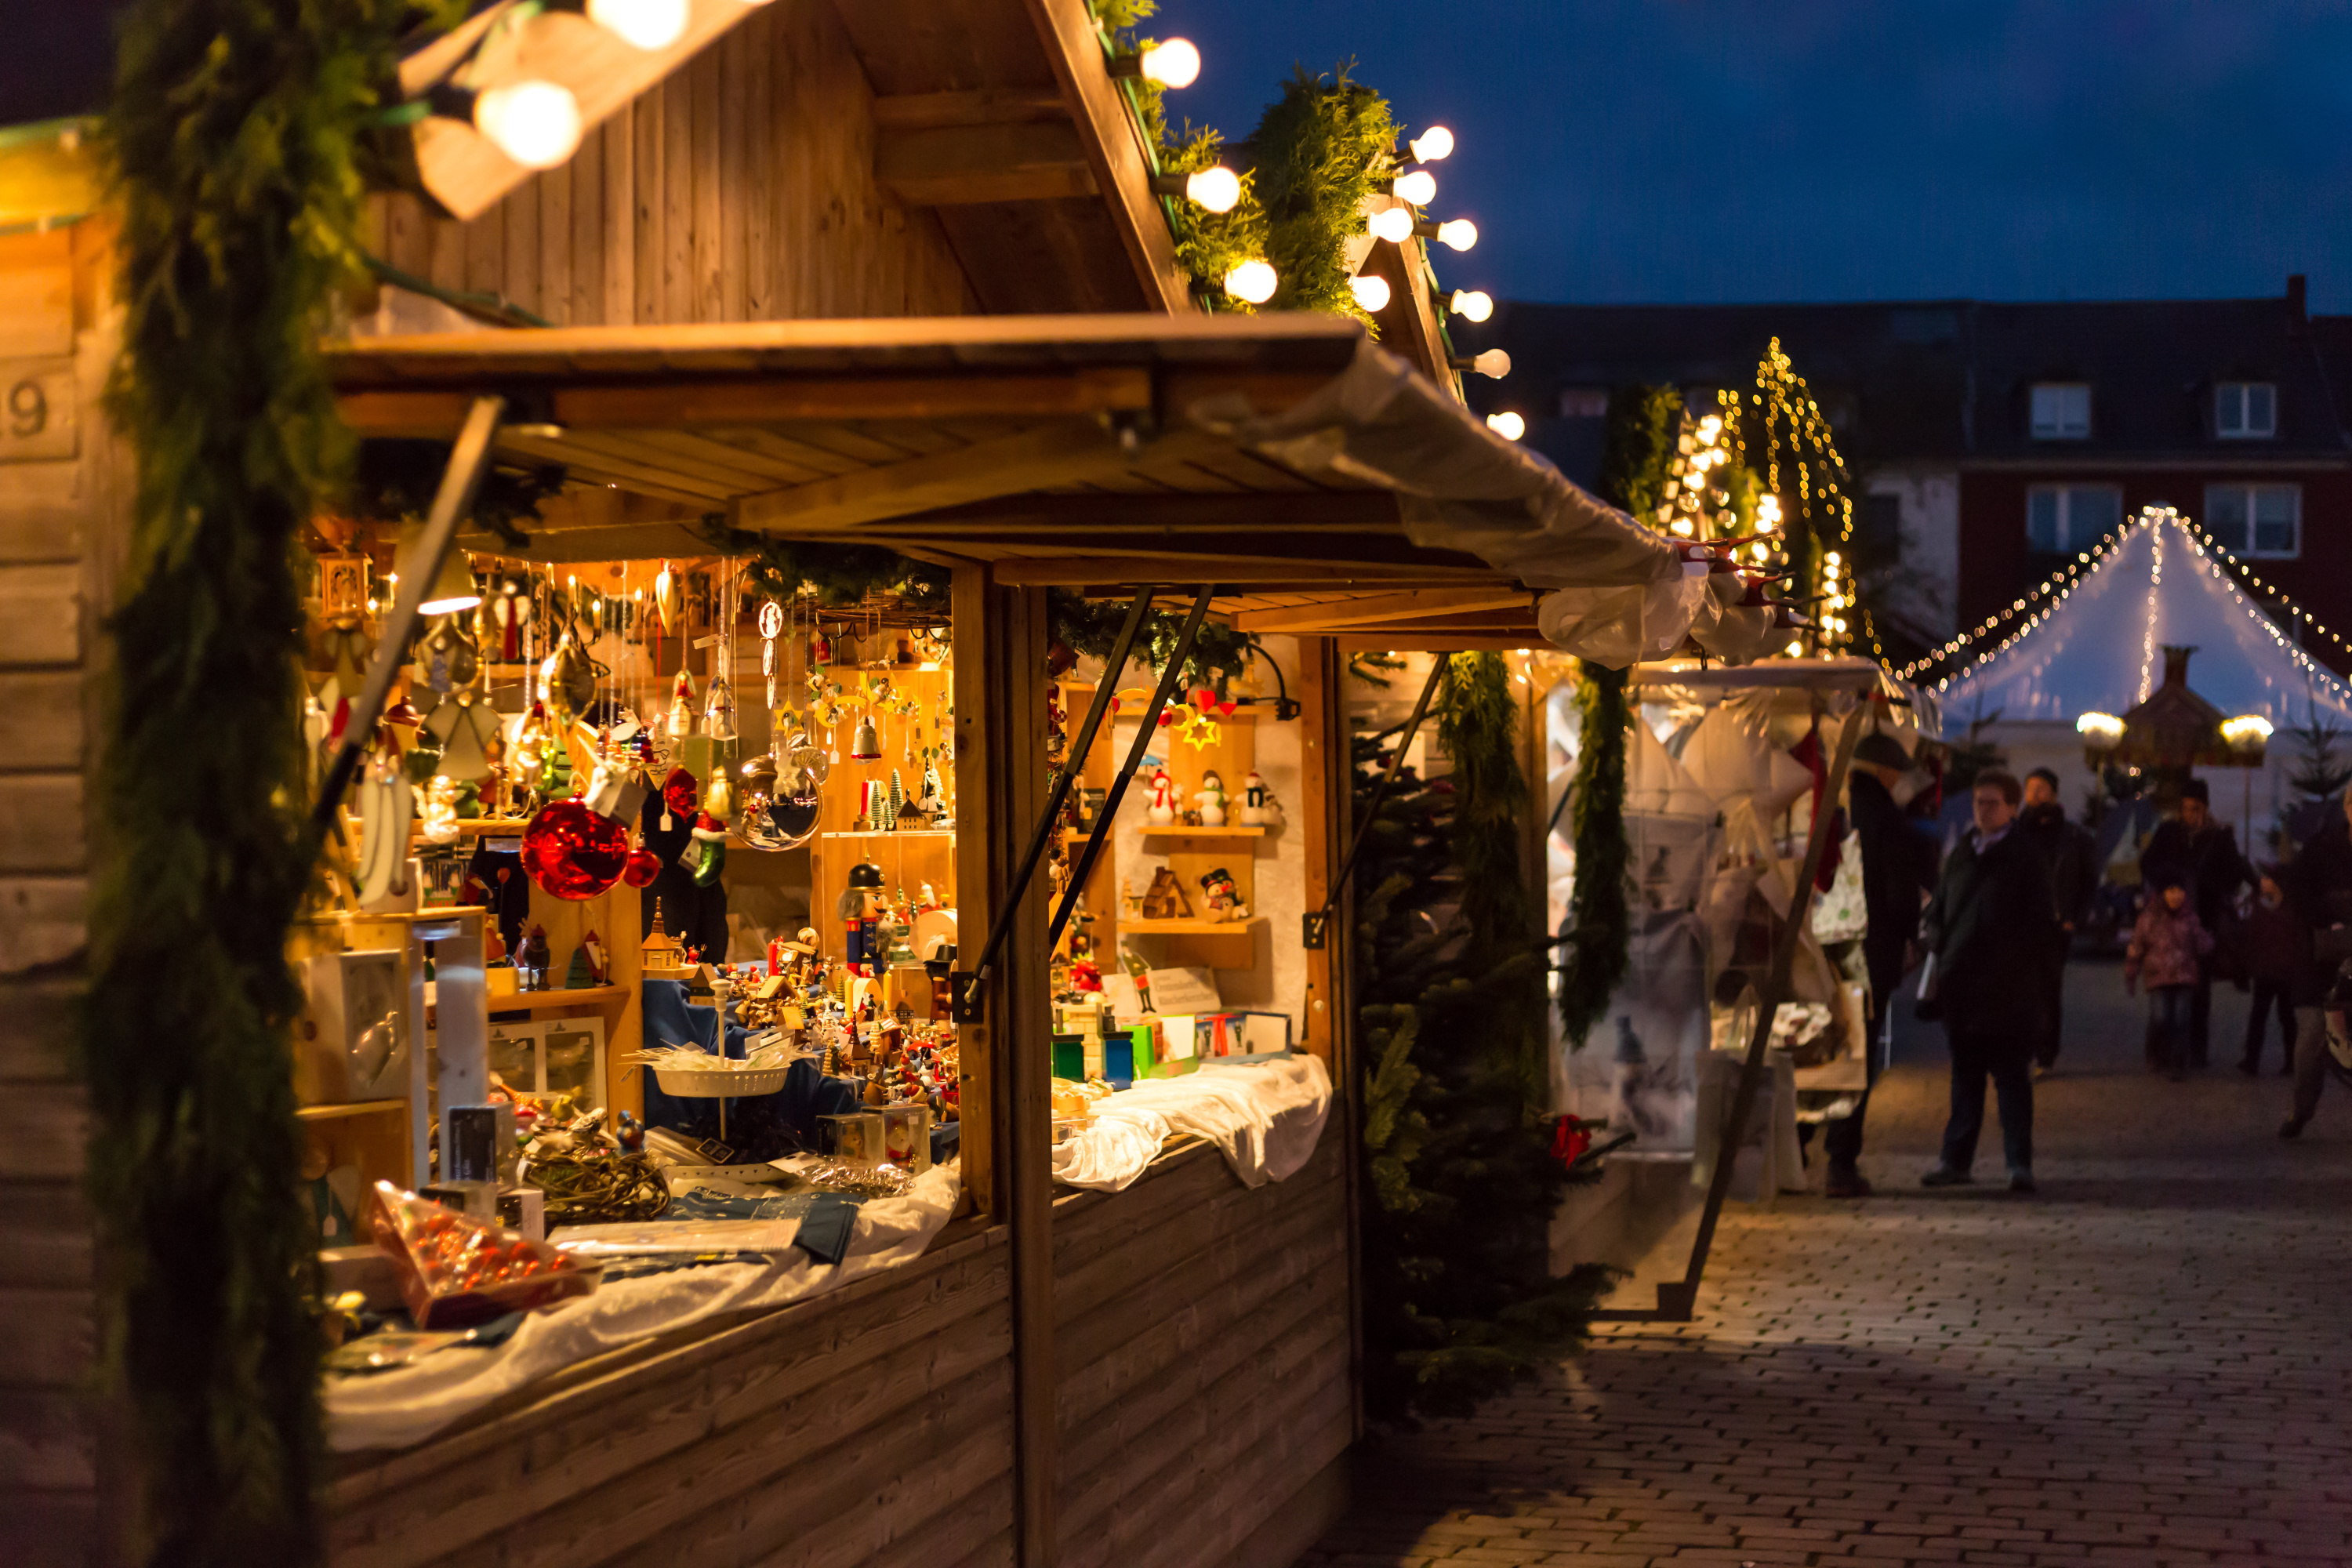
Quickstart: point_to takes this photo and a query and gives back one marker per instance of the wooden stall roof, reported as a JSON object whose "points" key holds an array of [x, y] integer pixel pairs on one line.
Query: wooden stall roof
{"points": [[1059, 447]]}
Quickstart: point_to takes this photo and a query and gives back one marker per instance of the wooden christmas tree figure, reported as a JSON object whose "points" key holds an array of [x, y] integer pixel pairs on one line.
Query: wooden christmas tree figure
{"points": [[1164, 899]]}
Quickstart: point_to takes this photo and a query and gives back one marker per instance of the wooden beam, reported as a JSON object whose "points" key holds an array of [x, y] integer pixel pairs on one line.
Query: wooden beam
{"points": [[1074, 43], [1113, 566], [962, 165], [688, 402], [1383, 607], [1136, 516], [982, 106], [1434, 642], [1065, 452]]}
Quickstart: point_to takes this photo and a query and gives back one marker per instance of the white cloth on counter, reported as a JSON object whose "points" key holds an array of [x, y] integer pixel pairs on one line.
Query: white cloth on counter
{"points": [[1265, 1117], [407, 1404]]}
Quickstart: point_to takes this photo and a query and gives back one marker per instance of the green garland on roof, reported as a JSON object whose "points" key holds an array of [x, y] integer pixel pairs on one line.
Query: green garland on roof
{"points": [[1091, 626], [234, 139], [1459, 1302], [1321, 148], [396, 478]]}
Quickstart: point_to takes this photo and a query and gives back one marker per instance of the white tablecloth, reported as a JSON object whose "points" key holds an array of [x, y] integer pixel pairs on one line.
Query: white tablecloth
{"points": [[1265, 1117], [394, 1409]]}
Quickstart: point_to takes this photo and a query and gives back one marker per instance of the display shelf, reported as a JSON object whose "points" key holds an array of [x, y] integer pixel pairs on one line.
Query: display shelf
{"points": [[897, 833], [350, 1107], [526, 1002], [1216, 835], [1191, 927]]}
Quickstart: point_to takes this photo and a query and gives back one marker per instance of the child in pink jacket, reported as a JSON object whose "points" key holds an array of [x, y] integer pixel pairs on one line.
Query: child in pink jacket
{"points": [[2166, 944]]}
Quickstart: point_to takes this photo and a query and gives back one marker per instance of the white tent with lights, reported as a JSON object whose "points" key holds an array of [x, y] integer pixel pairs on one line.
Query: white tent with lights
{"points": [[2094, 641]]}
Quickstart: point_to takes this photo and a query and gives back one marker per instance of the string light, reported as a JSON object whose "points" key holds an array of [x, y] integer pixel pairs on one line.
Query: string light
{"points": [[1508, 425], [2294, 610], [1432, 145], [1372, 291], [1789, 423], [1175, 63], [1253, 282], [1418, 186], [1394, 224]]}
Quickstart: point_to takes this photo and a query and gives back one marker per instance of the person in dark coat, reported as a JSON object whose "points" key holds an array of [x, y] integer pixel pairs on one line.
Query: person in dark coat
{"points": [[2204, 854], [2066, 849], [2278, 948], [1992, 928], [1899, 865], [2319, 886]]}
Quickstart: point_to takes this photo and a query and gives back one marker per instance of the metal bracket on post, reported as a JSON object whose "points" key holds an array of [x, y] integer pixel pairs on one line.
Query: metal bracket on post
{"points": [[1316, 924], [1168, 678], [469, 459], [967, 995]]}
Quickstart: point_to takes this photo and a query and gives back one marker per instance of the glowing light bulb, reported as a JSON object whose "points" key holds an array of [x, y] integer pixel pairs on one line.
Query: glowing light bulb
{"points": [[1395, 224], [1473, 304], [1459, 233], [1419, 187], [1371, 292], [1710, 427], [1215, 189], [1431, 145], [536, 124], [641, 24], [1172, 64], [1253, 282], [1793, 650], [1510, 428], [1494, 363], [1831, 558]]}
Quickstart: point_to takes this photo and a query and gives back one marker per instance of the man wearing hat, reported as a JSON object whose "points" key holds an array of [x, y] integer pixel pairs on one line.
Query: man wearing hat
{"points": [[2204, 854], [1898, 864], [2067, 850]]}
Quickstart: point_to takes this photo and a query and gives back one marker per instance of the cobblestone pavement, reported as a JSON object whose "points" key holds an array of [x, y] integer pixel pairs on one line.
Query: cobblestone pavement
{"points": [[2150, 1363]]}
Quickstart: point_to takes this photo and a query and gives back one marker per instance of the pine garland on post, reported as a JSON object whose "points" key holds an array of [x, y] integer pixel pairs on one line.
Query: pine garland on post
{"points": [[1459, 1298], [235, 141], [1600, 932]]}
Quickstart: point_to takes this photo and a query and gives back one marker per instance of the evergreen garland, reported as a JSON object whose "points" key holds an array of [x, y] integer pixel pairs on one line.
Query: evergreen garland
{"points": [[1091, 627], [395, 479], [234, 142], [842, 574], [1600, 932], [1638, 448], [1459, 1302], [1319, 149]]}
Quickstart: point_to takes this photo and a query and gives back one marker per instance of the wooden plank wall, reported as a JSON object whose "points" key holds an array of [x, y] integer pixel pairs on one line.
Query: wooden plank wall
{"points": [[1205, 1386], [873, 1427], [63, 486], [740, 189]]}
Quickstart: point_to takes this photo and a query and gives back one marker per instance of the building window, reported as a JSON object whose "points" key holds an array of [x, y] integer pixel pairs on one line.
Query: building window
{"points": [[2065, 519], [2061, 410], [2255, 519], [2245, 410]]}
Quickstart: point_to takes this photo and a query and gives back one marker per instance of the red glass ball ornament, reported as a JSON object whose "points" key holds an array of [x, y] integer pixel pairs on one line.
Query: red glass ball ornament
{"points": [[573, 852], [1166, 717], [681, 794], [641, 867]]}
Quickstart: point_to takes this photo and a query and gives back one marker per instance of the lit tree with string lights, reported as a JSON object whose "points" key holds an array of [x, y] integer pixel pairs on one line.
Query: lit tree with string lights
{"points": [[1782, 440]]}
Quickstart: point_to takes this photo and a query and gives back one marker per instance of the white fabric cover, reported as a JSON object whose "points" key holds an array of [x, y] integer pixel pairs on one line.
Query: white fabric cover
{"points": [[1656, 784], [2101, 649], [1733, 761], [1265, 1117], [394, 1409], [1622, 626]]}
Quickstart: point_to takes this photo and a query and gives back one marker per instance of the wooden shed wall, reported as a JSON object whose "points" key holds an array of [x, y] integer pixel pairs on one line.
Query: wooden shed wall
{"points": [[62, 528], [738, 189], [870, 1426], [1206, 1390]]}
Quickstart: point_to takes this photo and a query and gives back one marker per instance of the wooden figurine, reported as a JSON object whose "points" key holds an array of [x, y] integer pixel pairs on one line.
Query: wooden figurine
{"points": [[1164, 899]]}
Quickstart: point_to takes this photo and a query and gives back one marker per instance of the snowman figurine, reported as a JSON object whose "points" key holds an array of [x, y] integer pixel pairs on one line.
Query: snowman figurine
{"points": [[1211, 800], [1163, 811], [1259, 808]]}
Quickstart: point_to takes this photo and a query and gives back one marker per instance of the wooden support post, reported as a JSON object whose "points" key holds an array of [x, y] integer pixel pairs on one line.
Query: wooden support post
{"points": [[999, 717]]}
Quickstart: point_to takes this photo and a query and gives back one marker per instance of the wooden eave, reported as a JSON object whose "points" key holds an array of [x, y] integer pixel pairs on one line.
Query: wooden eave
{"points": [[1052, 448]]}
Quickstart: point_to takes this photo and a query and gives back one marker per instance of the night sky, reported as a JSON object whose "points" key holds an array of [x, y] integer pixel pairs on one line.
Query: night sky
{"points": [[1666, 151], [1676, 151]]}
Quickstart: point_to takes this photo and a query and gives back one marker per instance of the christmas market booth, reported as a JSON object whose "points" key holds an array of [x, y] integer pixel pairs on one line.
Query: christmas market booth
{"points": [[873, 751]]}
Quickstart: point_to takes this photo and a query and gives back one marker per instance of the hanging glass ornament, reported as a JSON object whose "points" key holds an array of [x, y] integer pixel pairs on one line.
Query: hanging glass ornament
{"points": [[719, 799], [567, 677], [719, 709], [681, 796], [466, 728], [865, 744], [641, 867], [710, 849], [572, 852], [681, 708], [446, 658], [387, 804], [669, 601]]}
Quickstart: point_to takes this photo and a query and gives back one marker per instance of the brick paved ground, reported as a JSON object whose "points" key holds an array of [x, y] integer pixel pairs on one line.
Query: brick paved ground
{"points": [[2150, 1363]]}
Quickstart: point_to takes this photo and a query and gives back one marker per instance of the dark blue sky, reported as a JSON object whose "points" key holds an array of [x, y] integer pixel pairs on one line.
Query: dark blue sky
{"points": [[1626, 150]]}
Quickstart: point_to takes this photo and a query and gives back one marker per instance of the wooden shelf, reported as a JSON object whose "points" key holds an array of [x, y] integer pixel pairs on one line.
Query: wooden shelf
{"points": [[351, 1108], [1190, 927], [550, 1001], [1222, 835], [899, 833]]}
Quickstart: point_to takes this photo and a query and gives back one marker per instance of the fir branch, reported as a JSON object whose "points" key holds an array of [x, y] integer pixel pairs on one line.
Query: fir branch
{"points": [[1599, 920], [1321, 148]]}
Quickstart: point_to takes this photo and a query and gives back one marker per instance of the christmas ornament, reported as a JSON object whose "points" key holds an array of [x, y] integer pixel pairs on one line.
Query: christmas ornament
{"points": [[1211, 800], [446, 658], [681, 708], [680, 795], [567, 677], [719, 799], [573, 852], [719, 709], [1259, 808], [616, 790], [387, 804], [466, 728], [1162, 810], [641, 867], [865, 744], [710, 849]]}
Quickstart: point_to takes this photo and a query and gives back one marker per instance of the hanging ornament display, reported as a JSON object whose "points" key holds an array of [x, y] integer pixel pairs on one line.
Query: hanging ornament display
{"points": [[466, 728], [681, 796], [446, 658], [719, 709], [387, 804], [640, 868], [573, 852], [681, 708], [865, 742], [710, 849]]}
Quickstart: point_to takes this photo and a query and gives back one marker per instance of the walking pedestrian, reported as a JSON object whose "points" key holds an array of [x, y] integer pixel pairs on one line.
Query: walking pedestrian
{"points": [[2066, 849], [2166, 944], [2277, 948], [2203, 853], [1898, 864], [2319, 886], [1993, 929]]}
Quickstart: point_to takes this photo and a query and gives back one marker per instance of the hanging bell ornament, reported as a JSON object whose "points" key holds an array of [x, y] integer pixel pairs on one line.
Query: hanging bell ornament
{"points": [[719, 709], [865, 744], [681, 708]]}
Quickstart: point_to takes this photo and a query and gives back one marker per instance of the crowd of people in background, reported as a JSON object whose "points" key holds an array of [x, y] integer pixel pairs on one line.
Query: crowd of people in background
{"points": [[1996, 914]]}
